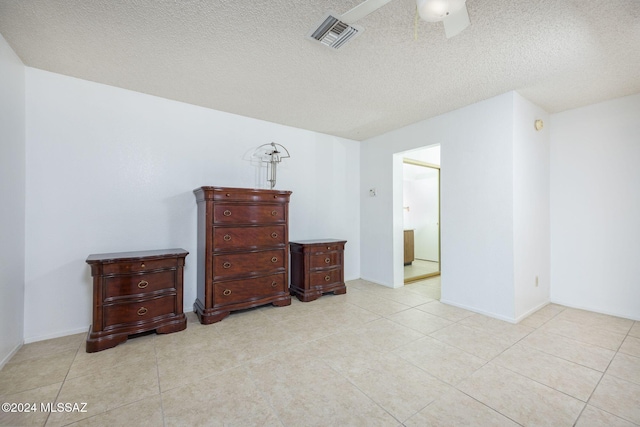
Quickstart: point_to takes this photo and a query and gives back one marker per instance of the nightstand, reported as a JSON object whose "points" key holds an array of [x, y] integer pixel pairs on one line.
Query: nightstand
{"points": [[317, 267], [135, 292]]}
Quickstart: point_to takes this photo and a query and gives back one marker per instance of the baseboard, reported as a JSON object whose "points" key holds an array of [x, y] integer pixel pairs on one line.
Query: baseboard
{"points": [[475, 310], [57, 335], [10, 355], [377, 283], [608, 313], [530, 312]]}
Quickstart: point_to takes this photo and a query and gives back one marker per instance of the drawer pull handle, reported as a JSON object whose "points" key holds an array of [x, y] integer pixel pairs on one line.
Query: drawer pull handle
{"points": [[275, 197], [274, 259], [142, 311], [143, 284], [327, 260], [226, 292], [228, 194], [227, 264], [226, 213], [274, 235], [227, 237], [142, 265], [327, 278], [328, 247], [274, 284], [274, 213]]}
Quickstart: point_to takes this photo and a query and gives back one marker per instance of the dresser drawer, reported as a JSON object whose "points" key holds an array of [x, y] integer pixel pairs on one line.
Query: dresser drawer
{"points": [[138, 283], [118, 314], [325, 260], [248, 214], [236, 291], [321, 278], [225, 265], [318, 249], [138, 266], [229, 238], [248, 195]]}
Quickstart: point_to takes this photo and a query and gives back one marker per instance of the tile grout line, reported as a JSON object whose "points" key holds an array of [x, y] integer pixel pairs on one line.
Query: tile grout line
{"points": [[484, 404], [155, 353], [263, 395], [455, 386], [559, 357], [602, 377], [517, 373], [361, 391], [63, 382]]}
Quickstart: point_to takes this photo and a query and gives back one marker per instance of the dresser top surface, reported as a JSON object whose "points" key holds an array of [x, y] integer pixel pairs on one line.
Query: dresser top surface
{"points": [[240, 190], [136, 255], [317, 241]]}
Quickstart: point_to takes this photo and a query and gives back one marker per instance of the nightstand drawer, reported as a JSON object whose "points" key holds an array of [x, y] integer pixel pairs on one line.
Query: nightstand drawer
{"points": [[327, 277], [320, 249], [236, 291], [119, 286], [119, 314], [259, 262], [230, 238], [248, 214], [138, 266], [325, 260]]}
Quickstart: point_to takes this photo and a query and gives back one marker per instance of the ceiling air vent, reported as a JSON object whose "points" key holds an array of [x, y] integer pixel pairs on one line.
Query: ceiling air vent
{"points": [[334, 33]]}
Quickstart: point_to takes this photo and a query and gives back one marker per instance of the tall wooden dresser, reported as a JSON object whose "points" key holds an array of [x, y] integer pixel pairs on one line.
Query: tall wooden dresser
{"points": [[243, 259], [135, 292]]}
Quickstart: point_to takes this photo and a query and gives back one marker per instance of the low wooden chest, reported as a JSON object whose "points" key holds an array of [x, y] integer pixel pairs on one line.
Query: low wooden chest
{"points": [[135, 292], [317, 267]]}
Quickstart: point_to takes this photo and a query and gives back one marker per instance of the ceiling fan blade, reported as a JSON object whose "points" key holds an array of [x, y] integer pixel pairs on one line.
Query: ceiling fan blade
{"points": [[362, 10], [455, 22]]}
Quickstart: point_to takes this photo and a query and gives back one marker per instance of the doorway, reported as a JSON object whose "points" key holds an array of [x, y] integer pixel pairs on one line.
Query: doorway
{"points": [[421, 214]]}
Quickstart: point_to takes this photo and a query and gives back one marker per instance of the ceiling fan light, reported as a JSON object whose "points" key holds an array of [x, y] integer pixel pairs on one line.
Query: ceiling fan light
{"points": [[437, 10]]}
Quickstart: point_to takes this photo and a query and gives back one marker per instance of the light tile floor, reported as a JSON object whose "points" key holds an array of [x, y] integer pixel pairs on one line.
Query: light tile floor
{"points": [[420, 267], [375, 356]]}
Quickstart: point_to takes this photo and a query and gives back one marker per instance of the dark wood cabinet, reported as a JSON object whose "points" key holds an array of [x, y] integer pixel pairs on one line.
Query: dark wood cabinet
{"points": [[242, 250], [317, 267], [409, 246], [135, 292]]}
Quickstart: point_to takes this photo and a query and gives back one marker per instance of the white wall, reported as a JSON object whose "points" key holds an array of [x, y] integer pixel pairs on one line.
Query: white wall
{"points": [[426, 155], [530, 208], [476, 204], [595, 207], [113, 170], [12, 205]]}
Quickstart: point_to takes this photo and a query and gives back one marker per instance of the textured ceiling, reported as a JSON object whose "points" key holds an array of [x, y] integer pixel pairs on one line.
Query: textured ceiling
{"points": [[252, 57]]}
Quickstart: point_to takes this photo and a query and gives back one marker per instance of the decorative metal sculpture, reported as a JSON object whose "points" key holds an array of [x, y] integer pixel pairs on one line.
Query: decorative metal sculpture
{"points": [[271, 154]]}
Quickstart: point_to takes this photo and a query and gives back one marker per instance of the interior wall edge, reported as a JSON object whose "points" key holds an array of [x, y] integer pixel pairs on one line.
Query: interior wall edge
{"points": [[376, 282], [10, 355], [12, 194], [65, 333], [476, 310], [532, 311], [593, 309]]}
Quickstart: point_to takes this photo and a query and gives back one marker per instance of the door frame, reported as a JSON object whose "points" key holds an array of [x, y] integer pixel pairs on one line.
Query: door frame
{"points": [[437, 167]]}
